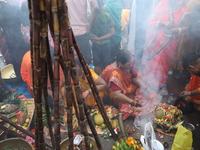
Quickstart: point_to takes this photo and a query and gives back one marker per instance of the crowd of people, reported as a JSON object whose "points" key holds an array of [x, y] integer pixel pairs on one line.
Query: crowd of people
{"points": [[102, 30]]}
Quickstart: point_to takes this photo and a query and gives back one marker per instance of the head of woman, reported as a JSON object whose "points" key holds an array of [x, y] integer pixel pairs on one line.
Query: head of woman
{"points": [[124, 60]]}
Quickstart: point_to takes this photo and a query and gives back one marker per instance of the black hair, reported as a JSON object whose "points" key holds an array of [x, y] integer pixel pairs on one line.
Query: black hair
{"points": [[123, 57], [190, 58]]}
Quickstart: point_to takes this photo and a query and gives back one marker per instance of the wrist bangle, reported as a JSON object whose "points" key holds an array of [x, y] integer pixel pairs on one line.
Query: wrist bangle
{"points": [[189, 93], [198, 89]]}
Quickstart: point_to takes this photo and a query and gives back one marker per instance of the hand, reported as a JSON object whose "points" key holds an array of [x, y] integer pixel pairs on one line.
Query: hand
{"points": [[94, 37], [185, 93], [86, 93]]}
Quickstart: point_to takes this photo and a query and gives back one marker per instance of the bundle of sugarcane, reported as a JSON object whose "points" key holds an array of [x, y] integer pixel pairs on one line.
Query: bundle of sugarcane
{"points": [[53, 14]]}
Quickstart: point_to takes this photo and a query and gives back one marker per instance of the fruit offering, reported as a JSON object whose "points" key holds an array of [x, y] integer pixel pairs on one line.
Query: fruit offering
{"points": [[167, 117], [127, 144]]}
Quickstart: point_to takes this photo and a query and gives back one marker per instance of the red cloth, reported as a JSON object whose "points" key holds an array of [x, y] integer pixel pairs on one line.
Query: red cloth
{"points": [[159, 49], [114, 87]]}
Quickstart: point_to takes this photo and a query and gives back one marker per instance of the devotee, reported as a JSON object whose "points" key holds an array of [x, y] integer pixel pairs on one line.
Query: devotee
{"points": [[101, 32], [188, 40], [78, 16], [164, 28], [123, 82], [10, 22], [191, 63], [26, 72], [85, 87], [114, 8]]}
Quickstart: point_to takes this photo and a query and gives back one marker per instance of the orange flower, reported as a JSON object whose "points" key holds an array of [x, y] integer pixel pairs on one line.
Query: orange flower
{"points": [[128, 143]]}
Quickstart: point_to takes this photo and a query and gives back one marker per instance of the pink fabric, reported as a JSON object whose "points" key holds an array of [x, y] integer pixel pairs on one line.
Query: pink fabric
{"points": [[78, 16]]}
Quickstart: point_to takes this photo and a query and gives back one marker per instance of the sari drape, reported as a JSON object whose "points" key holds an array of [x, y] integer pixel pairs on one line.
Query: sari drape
{"points": [[160, 48], [124, 82]]}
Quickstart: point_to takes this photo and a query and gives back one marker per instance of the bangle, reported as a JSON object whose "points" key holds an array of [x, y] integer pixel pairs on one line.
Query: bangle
{"points": [[198, 89], [179, 30], [189, 93]]}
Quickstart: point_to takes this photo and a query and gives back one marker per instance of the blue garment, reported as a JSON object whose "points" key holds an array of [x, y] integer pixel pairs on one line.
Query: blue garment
{"points": [[22, 88]]}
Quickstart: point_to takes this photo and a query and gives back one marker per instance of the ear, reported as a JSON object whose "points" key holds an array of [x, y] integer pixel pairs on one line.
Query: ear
{"points": [[191, 68]]}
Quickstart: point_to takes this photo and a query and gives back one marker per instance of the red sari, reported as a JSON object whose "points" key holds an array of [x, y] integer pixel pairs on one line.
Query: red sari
{"points": [[124, 83], [159, 48]]}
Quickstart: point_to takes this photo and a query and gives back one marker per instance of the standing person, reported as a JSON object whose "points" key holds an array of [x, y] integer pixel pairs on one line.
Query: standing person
{"points": [[191, 63], [114, 8], [79, 22], [165, 25], [188, 40], [101, 32], [10, 22]]}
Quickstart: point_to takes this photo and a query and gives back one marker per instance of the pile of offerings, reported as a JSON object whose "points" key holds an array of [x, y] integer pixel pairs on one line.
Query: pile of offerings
{"points": [[167, 117], [127, 144], [15, 109]]}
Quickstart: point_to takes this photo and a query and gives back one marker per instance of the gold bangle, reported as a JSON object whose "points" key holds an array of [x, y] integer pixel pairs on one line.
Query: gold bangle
{"points": [[198, 89]]}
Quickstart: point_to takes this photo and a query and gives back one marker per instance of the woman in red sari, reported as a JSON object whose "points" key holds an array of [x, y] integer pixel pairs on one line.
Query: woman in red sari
{"points": [[166, 23], [123, 81]]}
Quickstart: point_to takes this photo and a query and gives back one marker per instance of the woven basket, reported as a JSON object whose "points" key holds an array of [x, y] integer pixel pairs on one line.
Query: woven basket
{"points": [[29, 103]]}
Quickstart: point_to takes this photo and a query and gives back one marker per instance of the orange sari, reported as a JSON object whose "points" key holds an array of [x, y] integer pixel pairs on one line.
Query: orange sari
{"points": [[124, 82]]}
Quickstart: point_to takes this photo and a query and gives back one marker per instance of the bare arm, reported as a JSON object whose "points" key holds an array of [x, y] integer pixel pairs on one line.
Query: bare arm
{"points": [[190, 93], [100, 84], [95, 9], [121, 97]]}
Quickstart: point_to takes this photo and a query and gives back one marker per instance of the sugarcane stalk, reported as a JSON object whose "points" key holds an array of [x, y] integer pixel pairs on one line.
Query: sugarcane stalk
{"points": [[35, 16], [92, 126], [93, 87], [54, 11], [121, 126], [16, 126], [43, 50], [37, 72], [11, 132]]}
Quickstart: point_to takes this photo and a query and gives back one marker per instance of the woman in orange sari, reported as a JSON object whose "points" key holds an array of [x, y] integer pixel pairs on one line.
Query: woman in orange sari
{"points": [[165, 25], [123, 81]]}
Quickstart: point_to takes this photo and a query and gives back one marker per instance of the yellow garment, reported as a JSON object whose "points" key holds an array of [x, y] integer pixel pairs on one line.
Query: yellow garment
{"points": [[85, 86], [125, 17]]}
